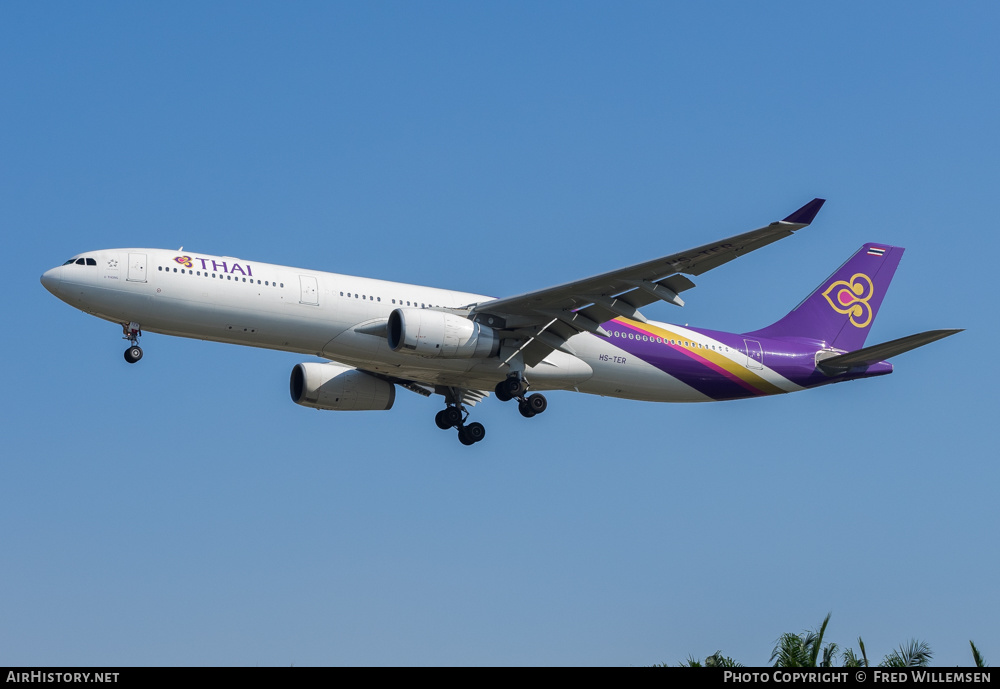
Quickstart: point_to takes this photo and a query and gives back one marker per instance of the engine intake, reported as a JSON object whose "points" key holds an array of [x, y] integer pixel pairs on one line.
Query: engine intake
{"points": [[439, 334], [332, 386]]}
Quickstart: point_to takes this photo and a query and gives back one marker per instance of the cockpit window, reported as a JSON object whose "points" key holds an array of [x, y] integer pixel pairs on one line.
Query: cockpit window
{"points": [[72, 260], [81, 262], [91, 262]]}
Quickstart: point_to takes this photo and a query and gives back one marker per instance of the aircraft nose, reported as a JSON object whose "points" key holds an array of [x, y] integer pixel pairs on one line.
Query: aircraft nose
{"points": [[51, 280]]}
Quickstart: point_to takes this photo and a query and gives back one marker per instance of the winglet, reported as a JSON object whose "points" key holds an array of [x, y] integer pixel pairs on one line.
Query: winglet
{"points": [[805, 215]]}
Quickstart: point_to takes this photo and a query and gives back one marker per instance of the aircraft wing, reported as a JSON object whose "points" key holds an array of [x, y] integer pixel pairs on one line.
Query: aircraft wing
{"points": [[544, 319]]}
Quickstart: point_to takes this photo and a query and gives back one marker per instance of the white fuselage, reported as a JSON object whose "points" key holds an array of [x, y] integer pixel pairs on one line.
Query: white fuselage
{"points": [[225, 299]]}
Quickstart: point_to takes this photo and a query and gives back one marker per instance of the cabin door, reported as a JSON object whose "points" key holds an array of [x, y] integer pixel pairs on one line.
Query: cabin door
{"points": [[755, 355], [310, 290], [136, 268]]}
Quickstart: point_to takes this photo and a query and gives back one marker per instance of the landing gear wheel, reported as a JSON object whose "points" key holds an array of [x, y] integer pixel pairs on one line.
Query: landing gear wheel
{"points": [[525, 409], [448, 418], [471, 434], [475, 431], [452, 415], [133, 354], [537, 403], [502, 392], [514, 387]]}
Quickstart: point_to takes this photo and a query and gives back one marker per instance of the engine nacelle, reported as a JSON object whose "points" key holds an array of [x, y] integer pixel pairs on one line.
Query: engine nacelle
{"points": [[332, 386], [439, 334]]}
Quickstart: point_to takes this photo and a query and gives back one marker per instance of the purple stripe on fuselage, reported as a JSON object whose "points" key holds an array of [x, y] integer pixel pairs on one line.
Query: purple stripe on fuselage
{"points": [[731, 378], [683, 363]]}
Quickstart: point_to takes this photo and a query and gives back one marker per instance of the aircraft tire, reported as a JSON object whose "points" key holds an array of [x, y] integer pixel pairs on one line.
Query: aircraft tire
{"points": [[440, 421], [452, 416], [475, 431], [538, 403], [525, 409], [502, 392], [514, 387], [464, 438], [133, 354]]}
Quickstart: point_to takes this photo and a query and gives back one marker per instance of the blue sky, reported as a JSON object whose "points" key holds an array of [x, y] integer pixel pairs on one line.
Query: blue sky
{"points": [[184, 511]]}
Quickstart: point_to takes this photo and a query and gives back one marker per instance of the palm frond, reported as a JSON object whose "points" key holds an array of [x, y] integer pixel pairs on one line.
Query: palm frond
{"points": [[914, 654], [977, 656], [815, 641], [719, 660], [851, 660]]}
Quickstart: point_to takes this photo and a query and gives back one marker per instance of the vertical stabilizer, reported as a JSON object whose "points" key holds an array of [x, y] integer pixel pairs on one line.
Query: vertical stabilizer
{"points": [[840, 312]]}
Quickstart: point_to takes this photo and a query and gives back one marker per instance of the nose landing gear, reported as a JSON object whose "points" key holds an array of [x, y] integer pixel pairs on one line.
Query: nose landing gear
{"points": [[132, 332]]}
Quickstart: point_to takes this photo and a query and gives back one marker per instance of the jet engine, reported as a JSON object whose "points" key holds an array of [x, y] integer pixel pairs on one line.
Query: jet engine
{"points": [[332, 386], [439, 334]]}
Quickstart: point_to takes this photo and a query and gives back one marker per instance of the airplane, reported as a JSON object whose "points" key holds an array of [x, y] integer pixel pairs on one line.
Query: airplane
{"points": [[586, 336]]}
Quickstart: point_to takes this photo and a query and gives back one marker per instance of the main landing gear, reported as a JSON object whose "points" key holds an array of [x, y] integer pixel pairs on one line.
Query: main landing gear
{"points": [[514, 387], [132, 333], [452, 416], [455, 414]]}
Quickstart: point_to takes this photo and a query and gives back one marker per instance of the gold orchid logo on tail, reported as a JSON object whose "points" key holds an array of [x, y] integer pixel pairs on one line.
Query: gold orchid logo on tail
{"points": [[852, 298]]}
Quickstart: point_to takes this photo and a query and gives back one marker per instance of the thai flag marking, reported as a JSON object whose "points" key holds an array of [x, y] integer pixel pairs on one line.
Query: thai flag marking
{"points": [[875, 251]]}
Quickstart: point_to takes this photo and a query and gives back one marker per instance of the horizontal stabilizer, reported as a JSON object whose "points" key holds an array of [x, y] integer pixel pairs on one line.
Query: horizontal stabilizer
{"points": [[881, 352]]}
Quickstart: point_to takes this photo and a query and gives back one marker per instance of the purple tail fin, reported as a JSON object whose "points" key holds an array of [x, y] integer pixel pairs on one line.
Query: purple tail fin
{"points": [[840, 312]]}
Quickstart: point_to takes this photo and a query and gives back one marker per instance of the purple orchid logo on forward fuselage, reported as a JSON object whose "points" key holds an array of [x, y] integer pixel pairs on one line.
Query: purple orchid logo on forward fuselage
{"points": [[852, 298]]}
